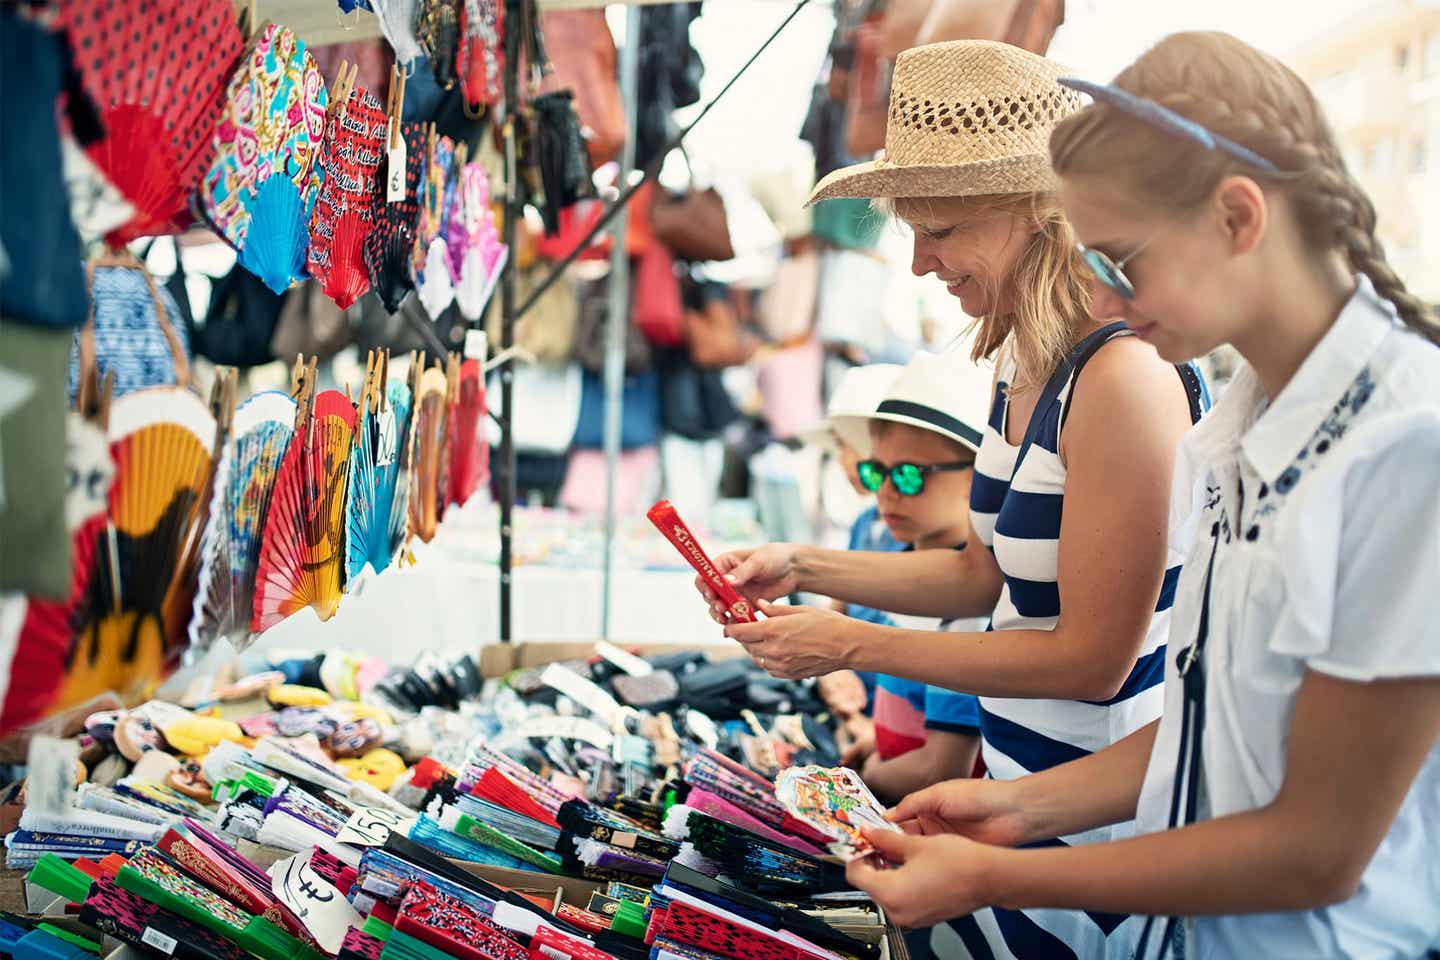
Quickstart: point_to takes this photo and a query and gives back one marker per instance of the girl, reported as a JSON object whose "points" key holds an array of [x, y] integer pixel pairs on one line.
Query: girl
{"points": [[1071, 556], [1297, 762]]}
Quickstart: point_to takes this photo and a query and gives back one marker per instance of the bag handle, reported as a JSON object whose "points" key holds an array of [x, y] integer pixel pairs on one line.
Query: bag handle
{"points": [[126, 260]]}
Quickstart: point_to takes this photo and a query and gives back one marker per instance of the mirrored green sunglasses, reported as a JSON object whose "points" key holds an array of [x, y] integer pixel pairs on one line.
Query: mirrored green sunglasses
{"points": [[909, 478]]}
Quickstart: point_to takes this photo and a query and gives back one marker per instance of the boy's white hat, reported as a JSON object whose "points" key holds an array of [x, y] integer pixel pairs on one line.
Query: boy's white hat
{"points": [[947, 393], [851, 406]]}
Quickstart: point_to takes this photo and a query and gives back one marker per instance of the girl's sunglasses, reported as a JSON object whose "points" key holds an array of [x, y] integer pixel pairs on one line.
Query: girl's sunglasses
{"points": [[909, 478]]}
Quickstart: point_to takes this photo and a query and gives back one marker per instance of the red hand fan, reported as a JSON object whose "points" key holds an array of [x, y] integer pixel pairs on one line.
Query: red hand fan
{"points": [[467, 455], [667, 520], [481, 61], [350, 197], [157, 71], [301, 550]]}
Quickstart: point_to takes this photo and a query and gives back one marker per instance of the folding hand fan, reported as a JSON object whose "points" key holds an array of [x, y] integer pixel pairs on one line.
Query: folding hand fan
{"points": [[350, 197], [46, 632], [481, 58], [156, 71], [429, 478], [467, 455], [301, 561], [389, 246], [244, 482], [398, 399], [131, 628], [261, 187], [482, 255], [374, 473], [434, 202]]}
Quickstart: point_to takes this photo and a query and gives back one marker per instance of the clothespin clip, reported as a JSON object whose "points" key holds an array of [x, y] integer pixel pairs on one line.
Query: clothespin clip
{"points": [[384, 398], [516, 352]]}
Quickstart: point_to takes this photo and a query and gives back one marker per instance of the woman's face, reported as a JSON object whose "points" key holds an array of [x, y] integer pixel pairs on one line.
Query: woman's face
{"points": [[972, 250]]}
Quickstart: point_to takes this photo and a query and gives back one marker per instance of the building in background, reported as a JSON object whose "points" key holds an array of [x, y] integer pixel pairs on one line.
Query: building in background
{"points": [[1377, 74]]}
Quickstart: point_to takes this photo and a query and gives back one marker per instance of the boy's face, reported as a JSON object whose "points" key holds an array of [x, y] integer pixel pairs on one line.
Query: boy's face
{"points": [[942, 508]]}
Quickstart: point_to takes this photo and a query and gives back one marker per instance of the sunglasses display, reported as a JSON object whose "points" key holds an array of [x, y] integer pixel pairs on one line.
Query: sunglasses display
{"points": [[909, 478]]}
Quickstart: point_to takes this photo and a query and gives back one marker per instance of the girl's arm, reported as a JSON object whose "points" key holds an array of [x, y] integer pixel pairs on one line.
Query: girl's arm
{"points": [[1119, 448], [1307, 848]]}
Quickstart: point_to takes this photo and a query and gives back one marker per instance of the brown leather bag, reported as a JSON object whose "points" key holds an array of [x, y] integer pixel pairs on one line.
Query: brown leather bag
{"points": [[693, 225], [581, 54], [715, 335]]}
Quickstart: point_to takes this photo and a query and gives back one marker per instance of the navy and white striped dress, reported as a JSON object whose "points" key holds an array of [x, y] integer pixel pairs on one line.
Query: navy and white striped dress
{"points": [[1018, 518]]}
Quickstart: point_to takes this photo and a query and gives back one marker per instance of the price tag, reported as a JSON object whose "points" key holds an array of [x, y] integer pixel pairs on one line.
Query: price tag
{"points": [[319, 906], [395, 172], [476, 346], [154, 938], [371, 826]]}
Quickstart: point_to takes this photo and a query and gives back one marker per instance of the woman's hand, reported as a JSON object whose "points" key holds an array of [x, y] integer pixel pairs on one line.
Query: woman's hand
{"points": [[987, 811], [764, 573], [930, 879], [795, 642]]}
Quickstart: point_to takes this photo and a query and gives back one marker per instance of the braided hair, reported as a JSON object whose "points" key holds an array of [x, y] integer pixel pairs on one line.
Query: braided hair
{"points": [[1255, 100]]}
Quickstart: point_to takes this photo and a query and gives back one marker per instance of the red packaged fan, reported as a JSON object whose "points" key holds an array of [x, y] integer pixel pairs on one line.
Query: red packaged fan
{"points": [[301, 551], [667, 520], [467, 455], [453, 927], [157, 71], [481, 61]]}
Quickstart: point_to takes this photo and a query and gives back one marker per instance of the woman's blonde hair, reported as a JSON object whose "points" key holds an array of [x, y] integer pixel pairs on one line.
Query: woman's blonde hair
{"points": [[1255, 100], [1047, 290]]}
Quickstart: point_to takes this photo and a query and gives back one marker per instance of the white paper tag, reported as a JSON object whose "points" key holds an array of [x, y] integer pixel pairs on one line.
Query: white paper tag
{"points": [[477, 347], [371, 826], [154, 938], [623, 659], [582, 691], [395, 172], [319, 906]]}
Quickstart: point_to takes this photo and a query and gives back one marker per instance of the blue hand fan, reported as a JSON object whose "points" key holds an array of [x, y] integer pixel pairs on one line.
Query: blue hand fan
{"points": [[400, 398], [278, 243], [245, 479], [374, 460]]}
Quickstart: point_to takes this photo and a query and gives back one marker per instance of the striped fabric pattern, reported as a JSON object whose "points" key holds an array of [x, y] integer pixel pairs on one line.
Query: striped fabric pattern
{"points": [[1018, 518]]}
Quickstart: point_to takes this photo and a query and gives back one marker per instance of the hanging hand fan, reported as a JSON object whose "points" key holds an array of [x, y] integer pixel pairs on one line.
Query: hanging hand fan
{"points": [[481, 57], [398, 398], [467, 455], [473, 233], [131, 628], [389, 246], [156, 71], [261, 187], [48, 628], [439, 36], [350, 197], [434, 199], [244, 482], [429, 476], [301, 560], [374, 475]]}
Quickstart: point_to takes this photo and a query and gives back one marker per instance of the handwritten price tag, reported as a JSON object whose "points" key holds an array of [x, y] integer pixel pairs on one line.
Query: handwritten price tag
{"points": [[395, 173], [319, 906], [371, 826]]}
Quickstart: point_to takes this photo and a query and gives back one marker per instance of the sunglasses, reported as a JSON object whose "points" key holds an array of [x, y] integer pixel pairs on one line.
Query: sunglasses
{"points": [[909, 478], [1111, 272]]}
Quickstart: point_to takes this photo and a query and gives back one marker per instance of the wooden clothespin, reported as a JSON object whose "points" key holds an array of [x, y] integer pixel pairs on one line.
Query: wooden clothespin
{"points": [[102, 402], [399, 79], [384, 399], [462, 156]]}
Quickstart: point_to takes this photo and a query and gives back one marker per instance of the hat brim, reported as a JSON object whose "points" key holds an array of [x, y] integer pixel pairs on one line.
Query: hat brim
{"points": [[879, 179], [819, 435], [853, 429], [966, 442]]}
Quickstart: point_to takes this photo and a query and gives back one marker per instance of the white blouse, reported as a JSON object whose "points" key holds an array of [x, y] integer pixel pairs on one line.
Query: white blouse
{"points": [[1324, 508]]}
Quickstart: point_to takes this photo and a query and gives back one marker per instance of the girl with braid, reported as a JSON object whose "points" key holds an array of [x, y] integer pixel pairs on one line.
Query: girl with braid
{"points": [[1286, 802]]}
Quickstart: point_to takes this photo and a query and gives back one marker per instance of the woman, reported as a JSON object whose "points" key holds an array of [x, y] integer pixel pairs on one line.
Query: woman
{"points": [[1295, 775], [1071, 553]]}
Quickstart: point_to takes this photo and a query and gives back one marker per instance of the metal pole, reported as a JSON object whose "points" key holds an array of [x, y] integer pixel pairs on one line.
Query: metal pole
{"points": [[514, 17], [618, 316]]}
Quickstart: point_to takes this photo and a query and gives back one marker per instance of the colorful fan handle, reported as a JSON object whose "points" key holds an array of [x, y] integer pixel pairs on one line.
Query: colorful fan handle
{"points": [[667, 520]]}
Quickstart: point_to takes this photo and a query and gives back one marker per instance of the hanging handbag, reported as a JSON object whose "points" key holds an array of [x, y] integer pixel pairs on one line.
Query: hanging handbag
{"points": [[310, 325], [240, 321], [693, 402], [590, 336], [547, 330], [640, 412], [560, 148], [714, 332], [573, 223], [637, 476], [786, 311], [693, 224], [659, 311], [129, 329], [579, 55], [789, 381]]}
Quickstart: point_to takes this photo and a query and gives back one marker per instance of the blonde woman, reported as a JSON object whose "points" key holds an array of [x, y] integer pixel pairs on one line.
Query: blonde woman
{"points": [[1071, 552]]}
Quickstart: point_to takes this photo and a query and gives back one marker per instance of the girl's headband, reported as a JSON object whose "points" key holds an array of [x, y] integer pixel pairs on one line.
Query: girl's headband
{"points": [[1166, 119]]}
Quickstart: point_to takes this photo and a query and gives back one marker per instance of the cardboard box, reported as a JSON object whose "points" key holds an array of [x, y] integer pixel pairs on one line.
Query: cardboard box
{"points": [[498, 659]]}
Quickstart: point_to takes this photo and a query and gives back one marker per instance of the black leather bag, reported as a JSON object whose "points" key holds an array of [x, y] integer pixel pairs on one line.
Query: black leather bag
{"points": [[693, 402]]}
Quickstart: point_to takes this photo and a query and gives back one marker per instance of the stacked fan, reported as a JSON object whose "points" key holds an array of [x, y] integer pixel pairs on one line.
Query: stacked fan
{"points": [[156, 72], [261, 188], [349, 201]]}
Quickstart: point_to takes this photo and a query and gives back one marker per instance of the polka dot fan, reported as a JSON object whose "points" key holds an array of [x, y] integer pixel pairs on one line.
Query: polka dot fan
{"points": [[156, 71], [262, 185], [389, 246]]}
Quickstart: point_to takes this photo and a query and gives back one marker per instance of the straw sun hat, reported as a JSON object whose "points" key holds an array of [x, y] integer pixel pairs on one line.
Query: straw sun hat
{"points": [[967, 117]]}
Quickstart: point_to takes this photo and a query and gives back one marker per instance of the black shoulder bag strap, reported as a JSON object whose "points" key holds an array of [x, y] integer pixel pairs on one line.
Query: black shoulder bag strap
{"points": [[1073, 363]]}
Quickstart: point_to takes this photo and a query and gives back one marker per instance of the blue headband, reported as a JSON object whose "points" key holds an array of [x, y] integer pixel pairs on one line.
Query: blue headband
{"points": [[1166, 119]]}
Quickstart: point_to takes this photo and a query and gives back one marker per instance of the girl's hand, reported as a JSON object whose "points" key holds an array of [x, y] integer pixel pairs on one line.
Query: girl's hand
{"points": [[795, 642], [764, 573], [987, 811], [858, 754], [931, 878]]}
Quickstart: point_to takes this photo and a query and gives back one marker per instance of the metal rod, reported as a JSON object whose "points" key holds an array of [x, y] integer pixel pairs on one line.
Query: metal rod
{"points": [[651, 170], [617, 318], [515, 16]]}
